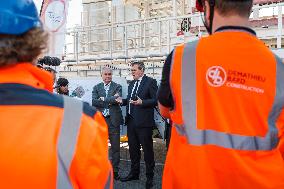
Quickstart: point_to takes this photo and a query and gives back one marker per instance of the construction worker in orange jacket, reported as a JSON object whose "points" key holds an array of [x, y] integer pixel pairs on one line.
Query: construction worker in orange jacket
{"points": [[47, 141], [226, 99]]}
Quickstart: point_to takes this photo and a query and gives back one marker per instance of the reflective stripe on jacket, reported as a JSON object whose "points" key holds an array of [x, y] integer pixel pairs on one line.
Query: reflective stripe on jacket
{"points": [[44, 145], [228, 91]]}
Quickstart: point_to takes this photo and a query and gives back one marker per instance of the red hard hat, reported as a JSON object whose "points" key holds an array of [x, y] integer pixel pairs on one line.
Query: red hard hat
{"points": [[199, 6]]}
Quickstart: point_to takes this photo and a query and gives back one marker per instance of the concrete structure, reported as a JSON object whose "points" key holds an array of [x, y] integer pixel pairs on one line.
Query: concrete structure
{"points": [[115, 32]]}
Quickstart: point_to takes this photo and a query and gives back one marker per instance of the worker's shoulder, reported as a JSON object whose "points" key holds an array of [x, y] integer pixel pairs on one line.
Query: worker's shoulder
{"points": [[14, 94], [88, 110]]}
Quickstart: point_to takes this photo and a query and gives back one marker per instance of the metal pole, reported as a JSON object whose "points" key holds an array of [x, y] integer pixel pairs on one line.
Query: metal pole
{"points": [[160, 38], [169, 37], [90, 46], [77, 47], [74, 45], [174, 8], [199, 19], [175, 15], [111, 31], [111, 41], [147, 15], [279, 35], [145, 42], [183, 7], [153, 68], [141, 35], [125, 41]]}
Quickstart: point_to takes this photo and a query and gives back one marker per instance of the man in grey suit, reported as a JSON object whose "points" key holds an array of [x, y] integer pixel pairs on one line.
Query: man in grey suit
{"points": [[104, 99]]}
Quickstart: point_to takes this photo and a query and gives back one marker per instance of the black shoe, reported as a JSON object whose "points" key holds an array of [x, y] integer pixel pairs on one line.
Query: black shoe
{"points": [[116, 176], [149, 183], [130, 177]]}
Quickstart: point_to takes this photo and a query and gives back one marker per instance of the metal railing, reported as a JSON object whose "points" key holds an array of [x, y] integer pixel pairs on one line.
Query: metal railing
{"points": [[137, 39], [151, 39]]}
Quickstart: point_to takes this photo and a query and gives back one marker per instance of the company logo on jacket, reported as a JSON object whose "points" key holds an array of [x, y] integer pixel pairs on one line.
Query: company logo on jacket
{"points": [[217, 76]]}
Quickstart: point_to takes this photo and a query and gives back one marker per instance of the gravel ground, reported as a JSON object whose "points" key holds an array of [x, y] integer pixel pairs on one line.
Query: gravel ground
{"points": [[160, 155]]}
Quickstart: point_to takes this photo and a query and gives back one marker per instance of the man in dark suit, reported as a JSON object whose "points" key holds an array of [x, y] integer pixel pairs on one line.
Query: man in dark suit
{"points": [[104, 99], [140, 104]]}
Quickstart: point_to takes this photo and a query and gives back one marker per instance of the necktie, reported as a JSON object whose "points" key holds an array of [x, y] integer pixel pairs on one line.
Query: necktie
{"points": [[133, 97], [106, 111], [134, 94]]}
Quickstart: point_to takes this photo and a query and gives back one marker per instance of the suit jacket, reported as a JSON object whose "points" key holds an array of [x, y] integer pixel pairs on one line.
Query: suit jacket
{"points": [[109, 101], [143, 115]]}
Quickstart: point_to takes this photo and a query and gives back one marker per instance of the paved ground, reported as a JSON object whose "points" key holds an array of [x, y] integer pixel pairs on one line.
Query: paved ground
{"points": [[160, 154], [139, 184]]}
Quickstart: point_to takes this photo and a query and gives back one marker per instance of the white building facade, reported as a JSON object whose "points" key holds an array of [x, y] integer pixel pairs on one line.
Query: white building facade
{"points": [[115, 32]]}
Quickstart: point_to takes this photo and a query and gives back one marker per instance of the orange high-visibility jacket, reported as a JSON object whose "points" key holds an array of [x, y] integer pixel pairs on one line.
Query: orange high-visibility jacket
{"points": [[228, 117], [33, 151]]}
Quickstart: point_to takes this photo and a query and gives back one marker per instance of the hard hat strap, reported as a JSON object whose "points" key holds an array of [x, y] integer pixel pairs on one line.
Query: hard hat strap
{"points": [[211, 5]]}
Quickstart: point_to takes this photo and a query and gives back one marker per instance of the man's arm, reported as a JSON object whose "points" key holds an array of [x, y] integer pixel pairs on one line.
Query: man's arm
{"points": [[164, 94], [95, 98], [118, 93], [152, 101], [124, 102], [164, 111]]}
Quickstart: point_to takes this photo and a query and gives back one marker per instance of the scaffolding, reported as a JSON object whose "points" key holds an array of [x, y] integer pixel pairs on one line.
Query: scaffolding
{"points": [[149, 38]]}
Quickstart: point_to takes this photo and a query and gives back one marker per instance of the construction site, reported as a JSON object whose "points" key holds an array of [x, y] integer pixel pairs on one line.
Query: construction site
{"points": [[116, 32], [135, 94]]}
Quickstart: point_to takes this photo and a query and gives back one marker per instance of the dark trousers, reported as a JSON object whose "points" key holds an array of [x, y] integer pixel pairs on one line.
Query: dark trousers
{"points": [[137, 137], [114, 138], [168, 131]]}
